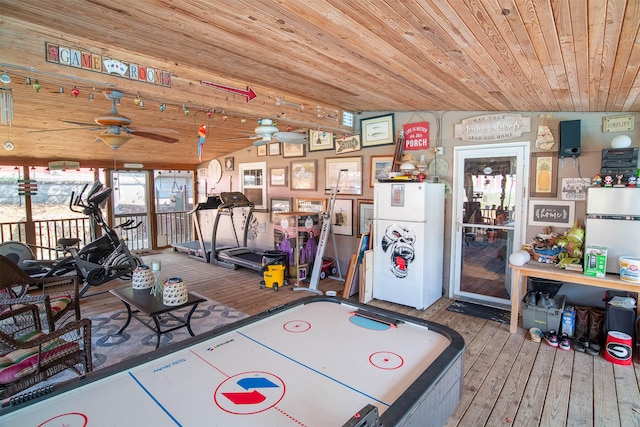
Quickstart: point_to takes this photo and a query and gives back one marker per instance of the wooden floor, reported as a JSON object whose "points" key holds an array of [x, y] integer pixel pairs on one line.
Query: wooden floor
{"points": [[509, 380]]}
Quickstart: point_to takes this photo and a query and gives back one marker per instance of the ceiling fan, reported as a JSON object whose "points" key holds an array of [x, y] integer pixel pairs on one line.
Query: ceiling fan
{"points": [[117, 129], [267, 132]]}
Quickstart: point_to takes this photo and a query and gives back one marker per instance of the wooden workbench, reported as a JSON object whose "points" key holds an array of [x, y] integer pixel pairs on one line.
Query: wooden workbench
{"points": [[551, 272]]}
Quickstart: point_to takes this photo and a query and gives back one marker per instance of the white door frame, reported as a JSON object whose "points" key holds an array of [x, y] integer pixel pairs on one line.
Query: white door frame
{"points": [[522, 152]]}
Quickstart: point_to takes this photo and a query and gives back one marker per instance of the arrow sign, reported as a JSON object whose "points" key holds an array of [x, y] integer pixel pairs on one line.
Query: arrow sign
{"points": [[249, 93]]}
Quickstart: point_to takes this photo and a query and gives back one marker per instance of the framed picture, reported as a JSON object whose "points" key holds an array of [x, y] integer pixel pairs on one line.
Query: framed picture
{"points": [[306, 204], [377, 131], [320, 140], [262, 150], [228, 164], [278, 176], [365, 216], [552, 212], [342, 221], [349, 169], [544, 175], [303, 175], [280, 204], [274, 148], [380, 168], [292, 150], [348, 144]]}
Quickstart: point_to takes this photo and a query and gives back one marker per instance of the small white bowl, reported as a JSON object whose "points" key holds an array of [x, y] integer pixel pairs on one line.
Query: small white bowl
{"points": [[330, 293]]}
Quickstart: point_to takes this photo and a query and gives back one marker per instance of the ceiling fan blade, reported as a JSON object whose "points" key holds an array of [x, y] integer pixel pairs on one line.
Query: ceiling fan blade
{"points": [[262, 141], [291, 137], [154, 136], [66, 129], [70, 122], [151, 129], [241, 138]]}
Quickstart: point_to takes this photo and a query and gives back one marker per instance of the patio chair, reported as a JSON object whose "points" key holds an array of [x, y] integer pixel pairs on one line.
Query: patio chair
{"points": [[28, 355], [58, 297]]}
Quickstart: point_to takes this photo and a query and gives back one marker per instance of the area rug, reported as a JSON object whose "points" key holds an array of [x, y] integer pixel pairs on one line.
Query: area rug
{"points": [[108, 347], [481, 311]]}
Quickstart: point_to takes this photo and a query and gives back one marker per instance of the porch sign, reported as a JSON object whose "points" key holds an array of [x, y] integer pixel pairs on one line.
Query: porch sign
{"points": [[493, 127], [416, 136]]}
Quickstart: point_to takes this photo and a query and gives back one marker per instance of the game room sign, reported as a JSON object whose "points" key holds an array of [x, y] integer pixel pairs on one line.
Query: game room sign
{"points": [[492, 127], [85, 60]]}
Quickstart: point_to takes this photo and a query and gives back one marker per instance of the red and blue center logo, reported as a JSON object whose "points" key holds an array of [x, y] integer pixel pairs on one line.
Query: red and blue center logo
{"points": [[249, 393]]}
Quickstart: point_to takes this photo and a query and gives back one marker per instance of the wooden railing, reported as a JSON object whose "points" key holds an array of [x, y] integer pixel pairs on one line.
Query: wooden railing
{"points": [[176, 226]]}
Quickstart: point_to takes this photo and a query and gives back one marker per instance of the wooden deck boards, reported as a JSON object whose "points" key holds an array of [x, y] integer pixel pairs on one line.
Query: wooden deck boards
{"points": [[509, 380]]}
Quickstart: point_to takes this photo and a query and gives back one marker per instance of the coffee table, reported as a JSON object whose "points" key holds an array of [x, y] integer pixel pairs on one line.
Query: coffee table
{"points": [[143, 302]]}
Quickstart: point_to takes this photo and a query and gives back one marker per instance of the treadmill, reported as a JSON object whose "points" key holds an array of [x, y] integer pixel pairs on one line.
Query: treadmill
{"points": [[240, 255], [199, 249]]}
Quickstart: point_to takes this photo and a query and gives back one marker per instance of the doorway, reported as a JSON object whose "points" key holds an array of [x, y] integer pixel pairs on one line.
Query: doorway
{"points": [[489, 212]]}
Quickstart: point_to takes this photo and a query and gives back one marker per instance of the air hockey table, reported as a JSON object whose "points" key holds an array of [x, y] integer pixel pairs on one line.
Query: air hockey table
{"points": [[319, 361]]}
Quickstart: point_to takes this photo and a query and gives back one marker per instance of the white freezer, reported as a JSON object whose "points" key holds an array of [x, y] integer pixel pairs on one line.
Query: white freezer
{"points": [[408, 235]]}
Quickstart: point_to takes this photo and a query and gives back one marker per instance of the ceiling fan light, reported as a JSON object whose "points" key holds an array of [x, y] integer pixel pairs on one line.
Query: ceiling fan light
{"points": [[114, 141]]}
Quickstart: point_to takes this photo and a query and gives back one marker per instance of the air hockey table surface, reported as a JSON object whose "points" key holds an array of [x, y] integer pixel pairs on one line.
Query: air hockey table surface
{"points": [[319, 361]]}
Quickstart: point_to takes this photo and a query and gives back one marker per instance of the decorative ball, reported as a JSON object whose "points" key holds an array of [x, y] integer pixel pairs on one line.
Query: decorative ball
{"points": [[621, 141], [519, 258]]}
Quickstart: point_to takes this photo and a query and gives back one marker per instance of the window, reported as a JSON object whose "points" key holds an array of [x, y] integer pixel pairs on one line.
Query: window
{"points": [[253, 183]]}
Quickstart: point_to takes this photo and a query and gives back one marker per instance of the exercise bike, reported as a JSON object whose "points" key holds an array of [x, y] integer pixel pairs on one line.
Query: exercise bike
{"points": [[103, 259]]}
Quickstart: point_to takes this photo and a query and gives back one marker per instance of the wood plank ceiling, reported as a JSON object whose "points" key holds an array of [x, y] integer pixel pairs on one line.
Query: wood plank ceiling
{"points": [[307, 61]]}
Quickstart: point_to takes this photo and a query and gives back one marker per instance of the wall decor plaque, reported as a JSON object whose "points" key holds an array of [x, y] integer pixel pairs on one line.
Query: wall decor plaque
{"points": [[493, 127]]}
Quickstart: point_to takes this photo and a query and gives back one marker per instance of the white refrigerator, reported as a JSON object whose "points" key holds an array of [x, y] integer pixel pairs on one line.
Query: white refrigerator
{"points": [[613, 221], [408, 233]]}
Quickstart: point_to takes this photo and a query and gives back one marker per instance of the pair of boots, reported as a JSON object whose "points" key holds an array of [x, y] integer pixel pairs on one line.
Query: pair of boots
{"points": [[589, 321]]}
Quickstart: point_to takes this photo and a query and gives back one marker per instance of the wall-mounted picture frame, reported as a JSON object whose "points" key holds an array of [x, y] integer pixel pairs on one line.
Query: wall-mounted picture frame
{"points": [[376, 131], [554, 213], [342, 221], [349, 169], [292, 150], [544, 175], [228, 164], [274, 148], [303, 175], [310, 204], [381, 166], [320, 140], [348, 144], [262, 150], [280, 204], [278, 177], [365, 216]]}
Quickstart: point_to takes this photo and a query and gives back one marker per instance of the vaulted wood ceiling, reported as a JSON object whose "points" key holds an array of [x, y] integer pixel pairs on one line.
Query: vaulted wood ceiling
{"points": [[307, 61]]}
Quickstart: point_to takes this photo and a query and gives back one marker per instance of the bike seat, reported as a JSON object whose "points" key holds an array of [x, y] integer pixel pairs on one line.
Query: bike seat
{"points": [[65, 243]]}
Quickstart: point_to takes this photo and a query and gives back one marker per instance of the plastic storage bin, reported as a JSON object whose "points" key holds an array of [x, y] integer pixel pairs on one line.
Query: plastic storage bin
{"points": [[543, 318]]}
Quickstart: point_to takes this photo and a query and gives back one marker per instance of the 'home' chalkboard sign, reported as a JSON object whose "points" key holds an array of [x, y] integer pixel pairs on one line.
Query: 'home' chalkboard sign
{"points": [[551, 212]]}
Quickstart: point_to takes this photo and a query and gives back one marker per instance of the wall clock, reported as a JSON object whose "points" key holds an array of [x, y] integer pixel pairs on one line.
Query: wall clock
{"points": [[215, 171]]}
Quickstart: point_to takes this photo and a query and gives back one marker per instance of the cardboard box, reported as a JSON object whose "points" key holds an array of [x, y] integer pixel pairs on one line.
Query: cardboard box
{"points": [[568, 323], [595, 261], [542, 318]]}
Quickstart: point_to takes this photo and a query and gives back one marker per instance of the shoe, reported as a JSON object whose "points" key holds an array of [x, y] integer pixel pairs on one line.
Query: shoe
{"points": [[592, 351], [535, 334], [543, 300], [580, 344], [582, 322], [564, 343], [532, 298], [596, 319], [551, 338]]}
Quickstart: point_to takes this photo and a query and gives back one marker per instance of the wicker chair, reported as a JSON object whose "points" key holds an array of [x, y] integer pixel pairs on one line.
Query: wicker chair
{"points": [[30, 356], [57, 297]]}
